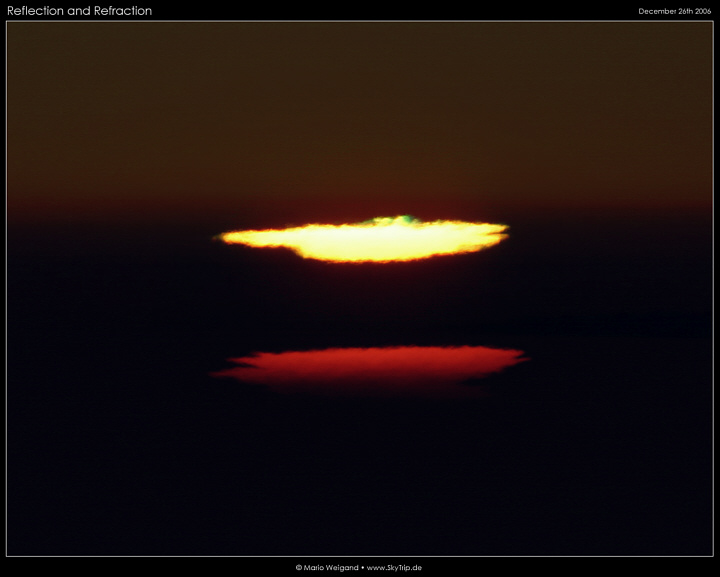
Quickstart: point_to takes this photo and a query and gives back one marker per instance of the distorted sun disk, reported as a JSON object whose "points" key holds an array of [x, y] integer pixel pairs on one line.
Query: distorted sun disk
{"points": [[411, 371], [382, 239]]}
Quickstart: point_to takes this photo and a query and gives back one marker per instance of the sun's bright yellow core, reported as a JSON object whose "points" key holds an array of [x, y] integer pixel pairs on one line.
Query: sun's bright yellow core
{"points": [[382, 239]]}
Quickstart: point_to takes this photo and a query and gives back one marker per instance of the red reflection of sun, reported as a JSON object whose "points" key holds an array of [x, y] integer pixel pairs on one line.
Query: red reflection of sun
{"points": [[394, 371], [378, 240]]}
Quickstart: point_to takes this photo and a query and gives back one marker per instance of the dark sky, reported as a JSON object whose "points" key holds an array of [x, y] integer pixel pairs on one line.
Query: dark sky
{"points": [[300, 120]]}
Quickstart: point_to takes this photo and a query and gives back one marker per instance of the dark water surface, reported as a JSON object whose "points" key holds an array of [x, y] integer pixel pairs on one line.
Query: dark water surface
{"points": [[122, 443]]}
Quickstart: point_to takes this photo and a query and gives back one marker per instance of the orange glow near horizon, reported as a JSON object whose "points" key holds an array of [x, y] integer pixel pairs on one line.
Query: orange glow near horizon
{"points": [[383, 239], [429, 372]]}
